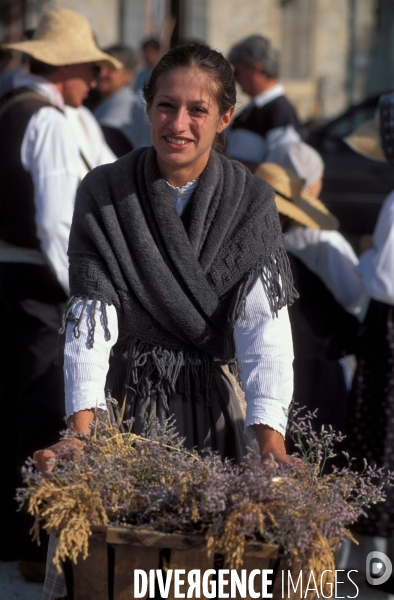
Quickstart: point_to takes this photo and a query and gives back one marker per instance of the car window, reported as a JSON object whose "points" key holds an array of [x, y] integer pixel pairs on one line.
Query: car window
{"points": [[350, 121]]}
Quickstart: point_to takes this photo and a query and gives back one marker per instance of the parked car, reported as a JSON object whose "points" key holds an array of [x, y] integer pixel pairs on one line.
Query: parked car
{"points": [[354, 187]]}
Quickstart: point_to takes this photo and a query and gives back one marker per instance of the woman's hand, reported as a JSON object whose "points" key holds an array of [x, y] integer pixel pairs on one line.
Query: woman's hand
{"points": [[80, 422], [45, 458], [272, 445]]}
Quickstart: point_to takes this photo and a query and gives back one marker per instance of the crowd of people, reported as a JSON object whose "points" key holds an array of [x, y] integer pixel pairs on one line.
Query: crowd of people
{"points": [[140, 217]]}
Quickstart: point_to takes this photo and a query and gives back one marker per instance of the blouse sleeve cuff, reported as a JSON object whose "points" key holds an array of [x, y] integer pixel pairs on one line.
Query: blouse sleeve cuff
{"points": [[267, 412], [84, 396]]}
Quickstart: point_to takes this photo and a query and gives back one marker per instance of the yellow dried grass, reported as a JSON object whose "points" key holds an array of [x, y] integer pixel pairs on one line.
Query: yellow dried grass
{"points": [[231, 542], [68, 512]]}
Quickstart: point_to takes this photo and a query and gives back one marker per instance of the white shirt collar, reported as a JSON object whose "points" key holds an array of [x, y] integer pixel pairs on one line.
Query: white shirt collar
{"points": [[181, 196], [186, 189], [269, 95], [41, 86]]}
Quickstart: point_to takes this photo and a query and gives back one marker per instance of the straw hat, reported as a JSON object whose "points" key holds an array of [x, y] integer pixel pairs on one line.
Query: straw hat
{"points": [[366, 139], [292, 202], [375, 139], [64, 37]]}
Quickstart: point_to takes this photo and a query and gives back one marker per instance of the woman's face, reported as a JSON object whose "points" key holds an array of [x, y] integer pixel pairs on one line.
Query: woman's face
{"points": [[185, 119]]}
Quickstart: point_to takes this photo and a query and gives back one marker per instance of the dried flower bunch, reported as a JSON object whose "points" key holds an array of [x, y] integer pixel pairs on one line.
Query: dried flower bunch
{"points": [[120, 478]]}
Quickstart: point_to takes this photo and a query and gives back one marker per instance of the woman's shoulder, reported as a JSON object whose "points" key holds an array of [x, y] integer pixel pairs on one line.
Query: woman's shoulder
{"points": [[253, 182], [109, 174]]}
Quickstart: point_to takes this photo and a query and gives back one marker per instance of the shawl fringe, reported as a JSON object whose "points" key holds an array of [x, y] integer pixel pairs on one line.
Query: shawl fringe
{"points": [[277, 278], [69, 317], [151, 368]]}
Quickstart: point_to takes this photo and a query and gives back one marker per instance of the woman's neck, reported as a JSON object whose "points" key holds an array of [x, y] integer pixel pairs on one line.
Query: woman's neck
{"points": [[180, 177]]}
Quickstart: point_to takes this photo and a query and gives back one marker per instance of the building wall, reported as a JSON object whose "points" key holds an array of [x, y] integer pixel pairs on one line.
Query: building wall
{"points": [[102, 15], [315, 37], [229, 20], [365, 27], [132, 23], [332, 55]]}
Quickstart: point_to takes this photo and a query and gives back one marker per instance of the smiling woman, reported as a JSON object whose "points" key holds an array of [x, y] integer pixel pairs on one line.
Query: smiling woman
{"points": [[185, 120], [176, 254], [177, 273]]}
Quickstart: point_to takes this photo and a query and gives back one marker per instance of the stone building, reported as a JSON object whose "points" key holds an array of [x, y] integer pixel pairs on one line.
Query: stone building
{"points": [[327, 46]]}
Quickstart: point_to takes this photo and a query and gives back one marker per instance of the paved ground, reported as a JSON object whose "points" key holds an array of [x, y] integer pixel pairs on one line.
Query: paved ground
{"points": [[14, 587]]}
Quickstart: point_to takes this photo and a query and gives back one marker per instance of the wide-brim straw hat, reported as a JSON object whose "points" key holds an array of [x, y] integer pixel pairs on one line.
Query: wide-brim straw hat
{"points": [[292, 202], [366, 140], [64, 37]]}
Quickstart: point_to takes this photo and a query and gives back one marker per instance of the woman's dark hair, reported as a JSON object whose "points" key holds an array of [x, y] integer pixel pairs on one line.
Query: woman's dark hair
{"points": [[199, 56]]}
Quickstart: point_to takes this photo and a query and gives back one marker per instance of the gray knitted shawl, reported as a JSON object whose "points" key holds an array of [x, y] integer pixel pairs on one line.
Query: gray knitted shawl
{"points": [[178, 288]]}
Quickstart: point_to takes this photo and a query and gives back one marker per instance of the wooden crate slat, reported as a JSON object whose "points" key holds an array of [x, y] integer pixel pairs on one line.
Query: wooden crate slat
{"points": [[148, 537], [131, 548], [128, 558], [195, 558], [91, 575]]}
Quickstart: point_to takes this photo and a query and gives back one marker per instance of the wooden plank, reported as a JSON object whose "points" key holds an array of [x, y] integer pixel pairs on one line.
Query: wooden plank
{"points": [[127, 559], [195, 558], [91, 575], [151, 538]]}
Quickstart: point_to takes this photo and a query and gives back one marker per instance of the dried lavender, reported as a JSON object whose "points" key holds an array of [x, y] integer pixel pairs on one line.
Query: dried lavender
{"points": [[153, 481]]}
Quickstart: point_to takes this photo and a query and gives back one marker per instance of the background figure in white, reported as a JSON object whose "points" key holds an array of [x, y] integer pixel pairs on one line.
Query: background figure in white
{"points": [[323, 267], [93, 149], [371, 429]]}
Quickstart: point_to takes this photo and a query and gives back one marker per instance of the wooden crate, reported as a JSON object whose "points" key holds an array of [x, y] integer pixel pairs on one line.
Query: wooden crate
{"points": [[115, 552]]}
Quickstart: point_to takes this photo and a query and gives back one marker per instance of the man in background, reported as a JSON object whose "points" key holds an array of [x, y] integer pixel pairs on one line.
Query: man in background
{"points": [[269, 117], [121, 112], [41, 166], [151, 51]]}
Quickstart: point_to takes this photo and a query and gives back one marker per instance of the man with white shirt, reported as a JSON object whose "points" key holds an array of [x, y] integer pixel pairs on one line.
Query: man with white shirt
{"points": [[270, 114], [42, 162]]}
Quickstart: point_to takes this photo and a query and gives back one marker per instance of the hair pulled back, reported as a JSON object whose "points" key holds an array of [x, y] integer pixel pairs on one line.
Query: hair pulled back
{"points": [[211, 62]]}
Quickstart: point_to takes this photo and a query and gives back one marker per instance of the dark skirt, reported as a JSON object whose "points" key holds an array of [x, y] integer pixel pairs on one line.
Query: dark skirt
{"points": [[217, 424], [371, 410]]}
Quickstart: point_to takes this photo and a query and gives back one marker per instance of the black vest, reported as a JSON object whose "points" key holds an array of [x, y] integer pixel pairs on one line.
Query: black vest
{"points": [[321, 327], [17, 212], [261, 119]]}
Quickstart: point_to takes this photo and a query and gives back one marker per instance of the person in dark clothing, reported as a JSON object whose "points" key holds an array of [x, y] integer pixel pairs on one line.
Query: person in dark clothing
{"points": [[40, 170], [371, 428], [270, 114], [323, 331]]}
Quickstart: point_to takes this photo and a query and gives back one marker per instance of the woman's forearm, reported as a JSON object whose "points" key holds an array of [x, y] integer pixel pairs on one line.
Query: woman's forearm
{"points": [[81, 421], [270, 441]]}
